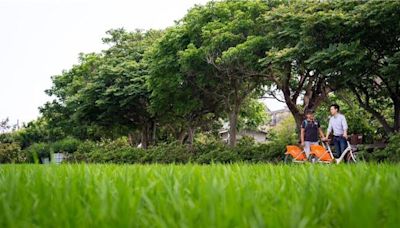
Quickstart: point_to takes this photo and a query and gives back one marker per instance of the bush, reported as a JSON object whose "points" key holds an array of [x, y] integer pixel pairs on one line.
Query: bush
{"points": [[216, 151], [107, 151], [203, 152], [37, 151], [67, 145], [11, 153], [168, 153], [285, 132], [246, 149], [392, 151], [7, 138]]}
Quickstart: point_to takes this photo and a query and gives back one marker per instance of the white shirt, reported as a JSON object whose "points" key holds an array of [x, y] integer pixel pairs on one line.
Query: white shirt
{"points": [[338, 124]]}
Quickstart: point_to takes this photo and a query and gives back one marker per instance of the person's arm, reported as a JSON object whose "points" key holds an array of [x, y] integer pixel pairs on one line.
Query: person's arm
{"points": [[328, 131], [321, 133], [302, 132], [345, 127]]}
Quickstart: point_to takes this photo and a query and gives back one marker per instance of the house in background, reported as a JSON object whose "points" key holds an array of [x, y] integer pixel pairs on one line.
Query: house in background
{"points": [[258, 135], [278, 115]]}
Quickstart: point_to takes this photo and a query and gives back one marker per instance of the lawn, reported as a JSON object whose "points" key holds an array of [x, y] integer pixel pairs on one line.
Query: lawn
{"points": [[238, 195]]}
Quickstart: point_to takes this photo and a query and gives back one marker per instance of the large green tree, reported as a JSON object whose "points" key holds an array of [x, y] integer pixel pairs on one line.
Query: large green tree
{"points": [[226, 42], [108, 89], [176, 99], [360, 50], [297, 82]]}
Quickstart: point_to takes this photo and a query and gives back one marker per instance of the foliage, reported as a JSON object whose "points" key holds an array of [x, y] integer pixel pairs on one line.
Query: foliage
{"points": [[37, 131], [358, 120], [392, 151], [37, 151], [66, 145], [11, 153], [205, 151], [252, 115], [204, 64], [284, 132], [7, 138], [359, 47], [215, 62], [106, 90]]}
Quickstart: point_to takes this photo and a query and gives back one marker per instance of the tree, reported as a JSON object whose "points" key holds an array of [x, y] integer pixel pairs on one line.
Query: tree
{"points": [[252, 115], [176, 98], [286, 61], [225, 43], [108, 89], [4, 125], [366, 58]]}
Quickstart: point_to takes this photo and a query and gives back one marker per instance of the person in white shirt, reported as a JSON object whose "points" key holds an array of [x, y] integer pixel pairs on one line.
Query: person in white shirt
{"points": [[338, 125]]}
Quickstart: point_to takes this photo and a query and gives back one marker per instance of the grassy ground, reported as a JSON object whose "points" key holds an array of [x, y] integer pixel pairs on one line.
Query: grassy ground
{"points": [[362, 195]]}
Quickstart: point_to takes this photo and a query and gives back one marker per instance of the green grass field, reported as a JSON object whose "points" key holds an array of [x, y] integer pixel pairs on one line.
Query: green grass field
{"points": [[362, 195]]}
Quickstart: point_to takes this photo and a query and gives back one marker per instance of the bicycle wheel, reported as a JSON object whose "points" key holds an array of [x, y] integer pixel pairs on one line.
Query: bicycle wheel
{"points": [[355, 158], [288, 159]]}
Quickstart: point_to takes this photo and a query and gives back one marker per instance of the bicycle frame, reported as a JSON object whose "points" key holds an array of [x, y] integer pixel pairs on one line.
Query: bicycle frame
{"points": [[347, 151], [299, 154]]}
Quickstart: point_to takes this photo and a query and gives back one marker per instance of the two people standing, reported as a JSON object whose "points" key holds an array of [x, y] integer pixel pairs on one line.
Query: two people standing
{"points": [[310, 128]]}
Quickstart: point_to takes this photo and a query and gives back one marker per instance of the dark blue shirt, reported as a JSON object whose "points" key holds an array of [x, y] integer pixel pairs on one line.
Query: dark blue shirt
{"points": [[310, 130]]}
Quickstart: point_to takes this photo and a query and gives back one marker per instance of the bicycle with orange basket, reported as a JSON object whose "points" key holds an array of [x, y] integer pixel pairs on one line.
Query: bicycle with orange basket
{"points": [[319, 154]]}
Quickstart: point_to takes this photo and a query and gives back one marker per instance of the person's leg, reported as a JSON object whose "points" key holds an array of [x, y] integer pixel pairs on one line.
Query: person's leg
{"points": [[336, 142], [313, 143], [343, 145], [307, 148]]}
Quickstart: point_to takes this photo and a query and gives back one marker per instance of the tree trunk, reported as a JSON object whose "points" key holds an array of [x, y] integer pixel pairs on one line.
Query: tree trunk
{"points": [[146, 135], [233, 119], [131, 139], [396, 116], [182, 136], [144, 140], [154, 132], [191, 131], [298, 118]]}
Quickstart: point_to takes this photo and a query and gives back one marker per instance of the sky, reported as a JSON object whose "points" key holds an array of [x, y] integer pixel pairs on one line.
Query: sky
{"points": [[41, 38]]}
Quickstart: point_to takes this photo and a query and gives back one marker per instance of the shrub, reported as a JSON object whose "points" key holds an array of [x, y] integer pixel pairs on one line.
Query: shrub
{"points": [[37, 151], [168, 153], [11, 153], [246, 149], [66, 145], [392, 151], [285, 132], [7, 138], [203, 152], [107, 151], [218, 155]]}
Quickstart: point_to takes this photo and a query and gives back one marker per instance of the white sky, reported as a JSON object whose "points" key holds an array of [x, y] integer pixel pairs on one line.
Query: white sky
{"points": [[40, 38]]}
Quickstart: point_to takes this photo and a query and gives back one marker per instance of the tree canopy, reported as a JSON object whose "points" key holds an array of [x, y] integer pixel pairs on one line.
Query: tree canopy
{"points": [[216, 61]]}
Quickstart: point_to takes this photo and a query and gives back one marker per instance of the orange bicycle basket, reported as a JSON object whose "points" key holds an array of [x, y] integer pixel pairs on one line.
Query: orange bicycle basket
{"points": [[320, 152], [296, 153]]}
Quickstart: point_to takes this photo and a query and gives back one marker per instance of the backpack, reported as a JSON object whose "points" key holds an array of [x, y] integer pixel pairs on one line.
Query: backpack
{"points": [[306, 122]]}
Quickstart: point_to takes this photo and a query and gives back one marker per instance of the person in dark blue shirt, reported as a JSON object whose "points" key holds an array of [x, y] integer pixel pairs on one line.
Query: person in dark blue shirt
{"points": [[310, 128]]}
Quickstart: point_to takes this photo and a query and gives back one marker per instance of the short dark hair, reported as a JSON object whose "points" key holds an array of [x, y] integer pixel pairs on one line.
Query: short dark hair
{"points": [[309, 111], [336, 106]]}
